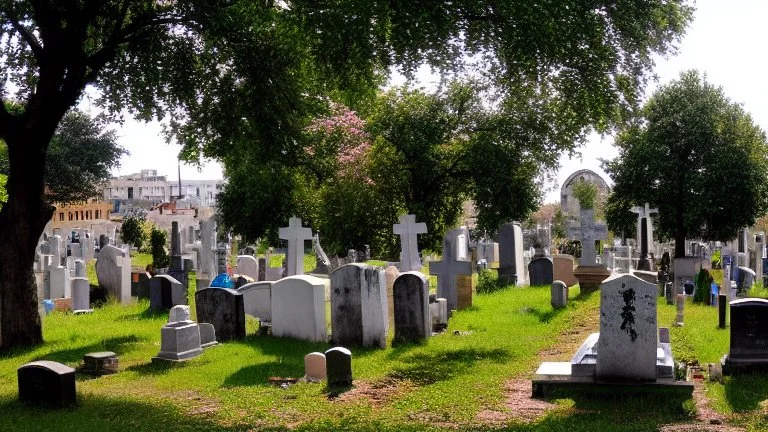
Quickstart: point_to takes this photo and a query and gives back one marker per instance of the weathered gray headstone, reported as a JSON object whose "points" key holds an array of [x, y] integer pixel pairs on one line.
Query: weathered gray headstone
{"points": [[511, 267], [338, 367], [450, 267], [541, 271], [179, 341], [359, 306], [247, 265], [257, 300], [559, 294], [113, 270], [179, 313], [408, 230], [628, 329], [207, 335], [222, 307], [81, 294], [298, 308], [411, 302]]}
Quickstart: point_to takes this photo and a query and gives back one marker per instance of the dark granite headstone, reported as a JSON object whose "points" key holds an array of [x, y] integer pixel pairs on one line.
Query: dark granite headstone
{"points": [[103, 240], [262, 269], [411, 303], [541, 271], [749, 336], [359, 305], [166, 292], [140, 284], [100, 363], [338, 367], [47, 383], [222, 307]]}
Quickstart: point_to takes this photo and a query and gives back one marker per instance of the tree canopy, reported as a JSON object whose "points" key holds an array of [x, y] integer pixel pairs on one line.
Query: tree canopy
{"points": [[241, 78], [698, 157]]}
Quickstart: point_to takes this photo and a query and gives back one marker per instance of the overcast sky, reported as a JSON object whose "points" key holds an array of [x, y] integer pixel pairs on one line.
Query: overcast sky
{"points": [[726, 40]]}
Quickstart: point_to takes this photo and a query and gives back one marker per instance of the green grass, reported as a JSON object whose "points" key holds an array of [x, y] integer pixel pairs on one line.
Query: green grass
{"points": [[441, 384]]}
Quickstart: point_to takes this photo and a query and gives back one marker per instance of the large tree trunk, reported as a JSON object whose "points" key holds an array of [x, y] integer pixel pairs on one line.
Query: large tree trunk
{"points": [[22, 221], [680, 235]]}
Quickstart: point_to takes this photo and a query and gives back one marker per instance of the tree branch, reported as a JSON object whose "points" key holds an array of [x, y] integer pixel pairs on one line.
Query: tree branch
{"points": [[28, 37], [6, 120]]}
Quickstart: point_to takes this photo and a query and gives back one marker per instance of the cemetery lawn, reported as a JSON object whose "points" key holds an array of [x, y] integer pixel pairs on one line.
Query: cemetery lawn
{"points": [[475, 379]]}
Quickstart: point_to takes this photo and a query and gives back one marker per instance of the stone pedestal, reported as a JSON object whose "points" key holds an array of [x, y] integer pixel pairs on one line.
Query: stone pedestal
{"points": [[179, 341], [100, 363], [590, 277], [464, 287]]}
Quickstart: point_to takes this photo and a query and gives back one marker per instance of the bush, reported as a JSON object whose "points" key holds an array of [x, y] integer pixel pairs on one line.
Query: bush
{"points": [[703, 283], [132, 231], [158, 239], [488, 282]]}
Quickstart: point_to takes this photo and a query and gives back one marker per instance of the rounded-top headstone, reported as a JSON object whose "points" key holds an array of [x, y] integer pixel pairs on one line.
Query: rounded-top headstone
{"points": [[47, 383], [338, 367], [179, 313], [411, 303], [314, 366], [559, 294]]}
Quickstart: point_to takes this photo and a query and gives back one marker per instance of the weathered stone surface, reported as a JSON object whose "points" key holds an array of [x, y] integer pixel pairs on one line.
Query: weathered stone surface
{"points": [[359, 306], [411, 300], [179, 341], [511, 267], [408, 231], [179, 313], [257, 299], [559, 294], [450, 267], [207, 335], [166, 292], [314, 367], [541, 271], [563, 269], [390, 274], [248, 265], [113, 270], [222, 307], [298, 308], [465, 287], [81, 293], [628, 329], [100, 363], [47, 383], [338, 367]]}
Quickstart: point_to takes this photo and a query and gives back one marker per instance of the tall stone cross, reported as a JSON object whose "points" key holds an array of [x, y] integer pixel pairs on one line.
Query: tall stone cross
{"points": [[587, 233], [647, 239], [295, 234], [408, 231], [450, 267]]}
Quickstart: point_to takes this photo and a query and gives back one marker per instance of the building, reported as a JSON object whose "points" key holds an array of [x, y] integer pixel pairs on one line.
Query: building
{"points": [[568, 202], [83, 213], [148, 189]]}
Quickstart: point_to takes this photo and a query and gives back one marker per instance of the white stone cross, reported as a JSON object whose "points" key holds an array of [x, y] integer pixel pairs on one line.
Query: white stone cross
{"points": [[408, 230], [587, 234], [295, 234]]}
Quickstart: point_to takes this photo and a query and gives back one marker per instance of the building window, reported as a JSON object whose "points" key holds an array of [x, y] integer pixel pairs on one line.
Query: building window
{"points": [[61, 217], [130, 193], [97, 214], [70, 216]]}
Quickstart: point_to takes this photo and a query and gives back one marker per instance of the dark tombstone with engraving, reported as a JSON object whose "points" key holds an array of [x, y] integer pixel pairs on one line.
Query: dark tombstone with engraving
{"points": [[224, 308], [749, 337], [47, 383]]}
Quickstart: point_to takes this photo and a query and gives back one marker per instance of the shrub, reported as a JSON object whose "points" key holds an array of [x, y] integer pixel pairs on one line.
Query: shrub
{"points": [[703, 282], [158, 239], [488, 282], [132, 231]]}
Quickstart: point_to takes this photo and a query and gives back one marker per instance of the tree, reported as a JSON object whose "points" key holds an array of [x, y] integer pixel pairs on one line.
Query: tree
{"points": [[682, 157], [237, 76], [132, 231]]}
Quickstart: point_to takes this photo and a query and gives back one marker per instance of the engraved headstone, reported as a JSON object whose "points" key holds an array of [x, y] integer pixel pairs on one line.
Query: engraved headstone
{"points": [[359, 306], [559, 292], [113, 270], [166, 292], [222, 307], [257, 300]]}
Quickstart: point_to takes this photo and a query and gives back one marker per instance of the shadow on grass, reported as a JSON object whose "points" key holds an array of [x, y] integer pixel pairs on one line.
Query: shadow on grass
{"points": [[118, 345], [259, 374], [96, 413], [156, 367], [426, 368], [147, 314], [544, 316], [584, 296], [746, 392]]}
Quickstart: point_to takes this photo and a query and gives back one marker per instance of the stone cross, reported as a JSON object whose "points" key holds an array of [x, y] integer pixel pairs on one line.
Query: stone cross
{"points": [[295, 234], [408, 231], [450, 267], [587, 233]]}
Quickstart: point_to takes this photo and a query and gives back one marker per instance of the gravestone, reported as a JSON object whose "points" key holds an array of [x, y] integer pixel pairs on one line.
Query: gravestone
{"points": [[47, 383], [257, 300], [314, 367], [338, 367], [628, 341], [262, 269], [749, 337], [359, 306], [390, 274], [588, 232], [113, 270], [176, 263], [411, 302], [746, 278], [562, 269], [442, 313], [179, 313], [207, 254], [541, 271], [298, 308], [59, 282], [140, 284], [644, 235], [680, 302], [511, 267], [100, 363], [449, 269], [81, 294], [179, 341], [207, 335], [295, 235], [247, 265], [408, 230], [559, 292], [166, 292], [222, 307]]}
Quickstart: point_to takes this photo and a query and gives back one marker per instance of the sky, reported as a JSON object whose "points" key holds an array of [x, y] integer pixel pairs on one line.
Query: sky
{"points": [[726, 40]]}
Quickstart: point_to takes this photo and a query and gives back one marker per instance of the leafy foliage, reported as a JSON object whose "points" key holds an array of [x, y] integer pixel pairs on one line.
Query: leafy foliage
{"points": [[158, 238], [585, 193], [132, 231], [693, 137]]}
